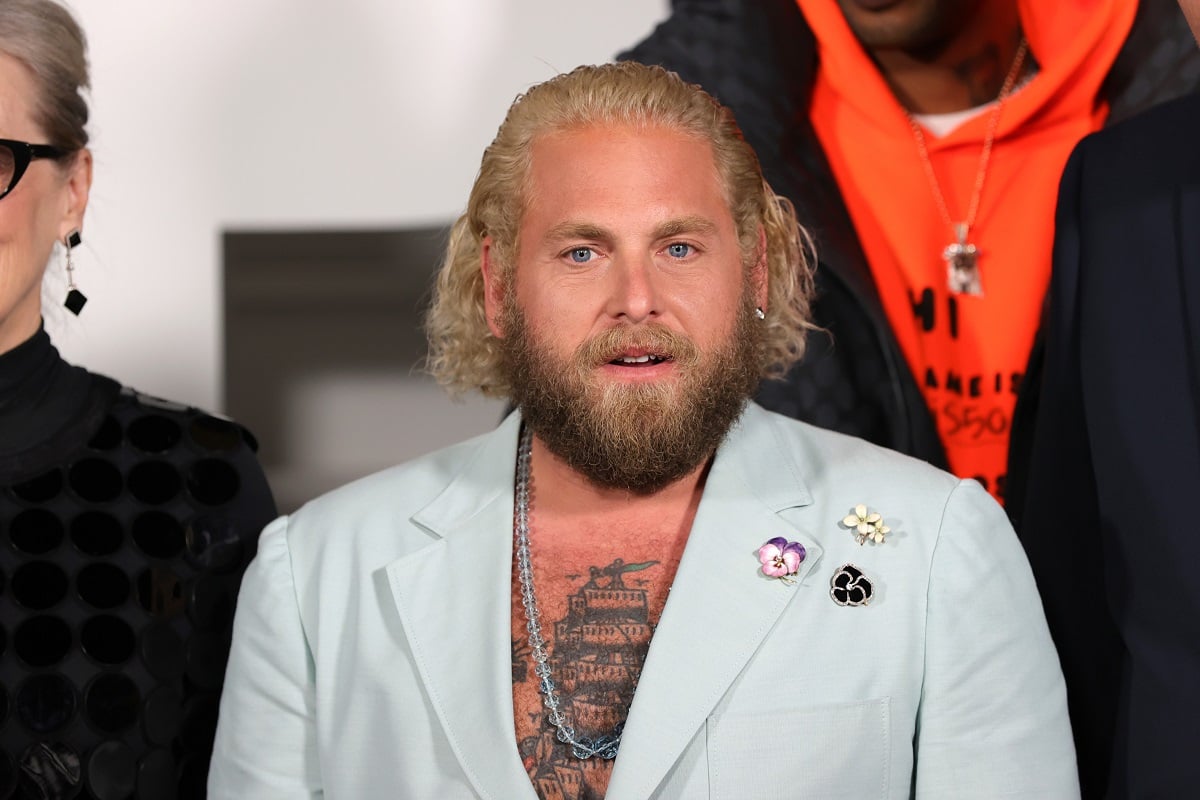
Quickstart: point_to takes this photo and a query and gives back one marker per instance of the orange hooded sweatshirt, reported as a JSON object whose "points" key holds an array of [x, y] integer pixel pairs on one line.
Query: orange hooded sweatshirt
{"points": [[967, 352]]}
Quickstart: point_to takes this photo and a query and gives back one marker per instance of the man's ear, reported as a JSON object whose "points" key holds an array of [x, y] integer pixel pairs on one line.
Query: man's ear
{"points": [[493, 285], [760, 274]]}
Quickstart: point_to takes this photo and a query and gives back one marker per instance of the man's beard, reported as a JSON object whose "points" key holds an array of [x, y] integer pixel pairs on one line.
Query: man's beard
{"points": [[636, 436]]}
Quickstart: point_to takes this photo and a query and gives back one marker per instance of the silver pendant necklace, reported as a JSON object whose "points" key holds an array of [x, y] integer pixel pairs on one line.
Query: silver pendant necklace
{"points": [[581, 746], [961, 255]]}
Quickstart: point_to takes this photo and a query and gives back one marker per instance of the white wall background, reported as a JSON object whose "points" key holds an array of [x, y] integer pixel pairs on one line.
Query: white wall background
{"points": [[231, 115], [236, 114]]}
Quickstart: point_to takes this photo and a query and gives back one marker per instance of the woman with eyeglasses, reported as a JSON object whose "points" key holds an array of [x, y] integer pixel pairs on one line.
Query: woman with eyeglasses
{"points": [[125, 521]]}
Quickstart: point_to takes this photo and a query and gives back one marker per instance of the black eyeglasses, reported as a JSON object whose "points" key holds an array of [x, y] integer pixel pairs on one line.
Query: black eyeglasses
{"points": [[15, 157]]}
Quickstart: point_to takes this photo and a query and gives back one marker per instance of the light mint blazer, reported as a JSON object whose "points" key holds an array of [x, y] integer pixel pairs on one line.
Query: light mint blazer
{"points": [[372, 645]]}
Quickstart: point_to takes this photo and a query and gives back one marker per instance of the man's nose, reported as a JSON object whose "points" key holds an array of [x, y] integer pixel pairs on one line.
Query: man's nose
{"points": [[634, 291]]}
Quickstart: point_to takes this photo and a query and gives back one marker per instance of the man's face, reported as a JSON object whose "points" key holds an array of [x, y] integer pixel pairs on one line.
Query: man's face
{"points": [[628, 326], [906, 24]]}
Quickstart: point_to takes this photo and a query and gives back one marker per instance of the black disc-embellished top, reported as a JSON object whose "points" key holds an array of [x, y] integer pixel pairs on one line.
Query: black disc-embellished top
{"points": [[125, 525]]}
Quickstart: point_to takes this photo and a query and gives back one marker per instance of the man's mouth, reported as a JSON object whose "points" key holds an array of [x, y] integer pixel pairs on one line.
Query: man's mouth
{"points": [[634, 361]]}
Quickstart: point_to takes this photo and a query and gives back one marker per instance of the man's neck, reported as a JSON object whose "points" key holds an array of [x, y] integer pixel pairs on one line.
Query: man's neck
{"points": [[963, 72], [563, 492]]}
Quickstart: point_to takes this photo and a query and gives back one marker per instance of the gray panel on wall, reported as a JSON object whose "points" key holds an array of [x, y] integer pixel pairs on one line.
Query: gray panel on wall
{"points": [[323, 353]]}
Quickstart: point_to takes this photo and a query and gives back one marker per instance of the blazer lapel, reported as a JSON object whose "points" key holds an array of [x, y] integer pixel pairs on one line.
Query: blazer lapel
{"points": [[1188, 230], [454, 600], [720, 608]]}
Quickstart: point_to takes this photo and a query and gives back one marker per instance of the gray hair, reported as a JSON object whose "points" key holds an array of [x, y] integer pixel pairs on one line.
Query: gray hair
{"points": [[43, 36]]}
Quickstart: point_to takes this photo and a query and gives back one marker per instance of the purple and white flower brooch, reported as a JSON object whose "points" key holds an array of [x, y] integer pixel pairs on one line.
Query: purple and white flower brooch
{"points": [[781, 559]]}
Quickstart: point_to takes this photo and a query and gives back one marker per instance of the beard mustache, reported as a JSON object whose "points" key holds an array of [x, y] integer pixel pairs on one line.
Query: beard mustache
{"points": [[640, 436]]}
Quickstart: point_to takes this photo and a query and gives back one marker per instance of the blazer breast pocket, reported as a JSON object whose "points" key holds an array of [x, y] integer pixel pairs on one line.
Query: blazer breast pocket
{"points": [[831, 752]]}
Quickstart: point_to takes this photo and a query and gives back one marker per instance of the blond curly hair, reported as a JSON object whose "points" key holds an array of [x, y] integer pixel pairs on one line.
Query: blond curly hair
{"points": [[463, 353]]}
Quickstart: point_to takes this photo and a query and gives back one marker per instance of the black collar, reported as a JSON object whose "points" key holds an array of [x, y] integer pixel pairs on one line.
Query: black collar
{"points": [[48, 408]]}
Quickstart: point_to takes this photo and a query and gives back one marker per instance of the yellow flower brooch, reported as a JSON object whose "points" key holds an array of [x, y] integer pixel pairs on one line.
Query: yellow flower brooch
{"points": [[866, 525]]}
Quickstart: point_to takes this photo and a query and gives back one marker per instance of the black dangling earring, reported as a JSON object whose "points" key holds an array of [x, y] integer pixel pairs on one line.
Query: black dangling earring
{"points": [[75, 298]]}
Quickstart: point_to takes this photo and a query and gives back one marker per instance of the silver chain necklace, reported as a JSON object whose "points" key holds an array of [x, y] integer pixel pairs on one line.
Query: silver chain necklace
{"points": [[581, 746], [962, 256]]}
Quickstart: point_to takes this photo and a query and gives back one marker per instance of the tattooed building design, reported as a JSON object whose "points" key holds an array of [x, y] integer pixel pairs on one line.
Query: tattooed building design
{"points": [[599, 649]]}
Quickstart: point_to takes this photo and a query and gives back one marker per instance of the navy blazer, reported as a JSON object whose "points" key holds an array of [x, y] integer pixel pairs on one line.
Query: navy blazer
{"points": [[1108, 523]]}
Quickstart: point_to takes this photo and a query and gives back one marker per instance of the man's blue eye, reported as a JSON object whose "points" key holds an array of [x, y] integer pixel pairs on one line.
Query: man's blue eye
{"points": [[679, 250], [581, 255]]}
